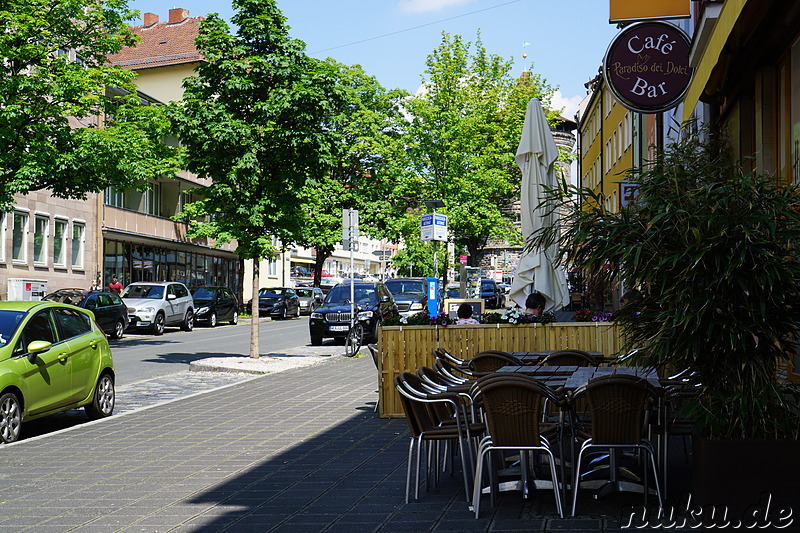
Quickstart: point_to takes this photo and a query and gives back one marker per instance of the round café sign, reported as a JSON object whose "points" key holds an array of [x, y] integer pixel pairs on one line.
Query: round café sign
{"points": [[647, 66]]}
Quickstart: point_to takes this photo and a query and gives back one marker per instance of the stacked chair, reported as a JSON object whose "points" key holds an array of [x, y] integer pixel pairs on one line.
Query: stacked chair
{"points": [[435, 417]]}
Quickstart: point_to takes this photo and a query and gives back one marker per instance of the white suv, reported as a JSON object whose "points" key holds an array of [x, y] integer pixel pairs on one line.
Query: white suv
{"points": [[153, 305]]}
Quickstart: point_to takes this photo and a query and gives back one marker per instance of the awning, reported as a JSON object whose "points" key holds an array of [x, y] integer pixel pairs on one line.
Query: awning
{"points": [[728, 17], [300, 260]]}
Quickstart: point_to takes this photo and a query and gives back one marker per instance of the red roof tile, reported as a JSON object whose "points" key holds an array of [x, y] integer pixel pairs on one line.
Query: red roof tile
{"points": [[162, 43]]}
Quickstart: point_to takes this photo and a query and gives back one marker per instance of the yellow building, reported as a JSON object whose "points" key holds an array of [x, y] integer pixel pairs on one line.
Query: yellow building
{"points": [[746, 55], [609, 140]]}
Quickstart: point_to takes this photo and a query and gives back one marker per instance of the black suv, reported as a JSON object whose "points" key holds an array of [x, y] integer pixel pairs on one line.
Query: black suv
{"points": [[410, 294], [493, 295], [373, 304]]}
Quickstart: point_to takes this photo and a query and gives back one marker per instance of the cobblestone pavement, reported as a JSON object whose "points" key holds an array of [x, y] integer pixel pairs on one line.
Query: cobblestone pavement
{"points": [[162, 389]]}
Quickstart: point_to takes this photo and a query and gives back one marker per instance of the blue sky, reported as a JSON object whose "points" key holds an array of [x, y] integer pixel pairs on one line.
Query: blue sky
{"points": [[391, 39]]}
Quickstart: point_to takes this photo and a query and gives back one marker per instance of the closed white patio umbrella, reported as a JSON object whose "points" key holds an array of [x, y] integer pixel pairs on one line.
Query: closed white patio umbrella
{"points": [[536, 156]]}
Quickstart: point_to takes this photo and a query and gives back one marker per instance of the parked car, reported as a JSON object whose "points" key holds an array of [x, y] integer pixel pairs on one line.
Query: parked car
{"points": [[327, 283], [373, 304], [492, 295], [281, 302], [410, 294], [215, 304], [110, 312], [153, 305], [300, 272], [310, 298], [53, 357], [453, 290]]}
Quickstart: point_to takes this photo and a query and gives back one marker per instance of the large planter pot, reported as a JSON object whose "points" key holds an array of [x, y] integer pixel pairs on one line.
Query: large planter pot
{"points": [[742, 474]]}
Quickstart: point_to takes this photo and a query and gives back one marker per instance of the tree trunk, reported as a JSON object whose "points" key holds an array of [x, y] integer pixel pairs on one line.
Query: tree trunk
{"points": [[322, 253], [255, 352]]}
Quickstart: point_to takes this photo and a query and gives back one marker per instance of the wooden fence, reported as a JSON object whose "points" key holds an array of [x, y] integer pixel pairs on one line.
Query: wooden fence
{"points": [[406, 348]]}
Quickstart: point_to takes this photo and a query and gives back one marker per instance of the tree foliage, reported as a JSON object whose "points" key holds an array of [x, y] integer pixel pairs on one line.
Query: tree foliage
{"points": [[463, 132], [362, 164], [713, 253], [252, 119], [55, 84]]}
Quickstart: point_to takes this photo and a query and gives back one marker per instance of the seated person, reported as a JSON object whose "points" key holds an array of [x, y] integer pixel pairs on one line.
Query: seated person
{"points": [[534, 304], [465, 314]]}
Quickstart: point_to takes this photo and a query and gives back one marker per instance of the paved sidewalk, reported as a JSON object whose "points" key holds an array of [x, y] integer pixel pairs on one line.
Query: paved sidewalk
{"points": [[295, 451]]}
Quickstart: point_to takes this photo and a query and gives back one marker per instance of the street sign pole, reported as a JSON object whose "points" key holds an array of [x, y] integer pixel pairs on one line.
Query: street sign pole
{"points": [[350, 238]]}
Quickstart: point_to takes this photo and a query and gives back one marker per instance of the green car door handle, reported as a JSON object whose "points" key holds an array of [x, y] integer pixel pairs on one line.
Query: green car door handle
{"points": [[63, 357], [93, 344]]}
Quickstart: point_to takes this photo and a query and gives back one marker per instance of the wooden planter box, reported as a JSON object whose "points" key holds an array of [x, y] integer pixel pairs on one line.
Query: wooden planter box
{"points": [[406, 348], [740, 475]]}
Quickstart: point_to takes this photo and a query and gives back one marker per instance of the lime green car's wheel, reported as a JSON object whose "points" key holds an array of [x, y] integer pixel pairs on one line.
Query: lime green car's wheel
{"points": [[104, 398], [10, 417]]}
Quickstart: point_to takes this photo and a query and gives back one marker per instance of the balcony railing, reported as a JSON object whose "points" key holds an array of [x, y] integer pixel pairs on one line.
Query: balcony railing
{"points": [[128, 221]]}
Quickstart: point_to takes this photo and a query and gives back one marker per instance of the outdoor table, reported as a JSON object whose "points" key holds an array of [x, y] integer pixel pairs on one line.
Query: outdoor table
{"points": [[532, 358], [552, 376]]}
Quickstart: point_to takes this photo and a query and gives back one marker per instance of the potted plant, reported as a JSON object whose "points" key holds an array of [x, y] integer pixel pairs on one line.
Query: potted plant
{"points": [[713, 251]]}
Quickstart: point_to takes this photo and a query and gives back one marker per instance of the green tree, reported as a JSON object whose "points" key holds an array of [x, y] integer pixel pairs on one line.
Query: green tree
{"points": [[363, 164], [463, 133], [71, 123], [253, 120]]}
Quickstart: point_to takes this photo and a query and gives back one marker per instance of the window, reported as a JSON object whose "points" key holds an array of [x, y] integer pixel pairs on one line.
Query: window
{"points": [[152, 200], [2, 237], [72, 323], [272, 267], [19, 245], [78, 234], [113, 197], [41, 226], [39, 328], [60, 243]]}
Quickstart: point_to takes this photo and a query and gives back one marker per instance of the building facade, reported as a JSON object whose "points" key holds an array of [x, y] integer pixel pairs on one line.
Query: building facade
{"points": [[746, 56], [139, 237]]}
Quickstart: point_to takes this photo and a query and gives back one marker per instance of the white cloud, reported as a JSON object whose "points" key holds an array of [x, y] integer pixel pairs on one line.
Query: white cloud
{"points": [[421, 6], [569, 104]]}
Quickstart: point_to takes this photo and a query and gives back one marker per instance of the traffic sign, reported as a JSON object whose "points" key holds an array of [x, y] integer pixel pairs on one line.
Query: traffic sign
{"points": [[433, 227]]}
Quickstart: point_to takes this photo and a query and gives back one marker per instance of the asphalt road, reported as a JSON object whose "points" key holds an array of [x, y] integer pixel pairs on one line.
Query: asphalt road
{"points": [[144, 356], [151, 369]]}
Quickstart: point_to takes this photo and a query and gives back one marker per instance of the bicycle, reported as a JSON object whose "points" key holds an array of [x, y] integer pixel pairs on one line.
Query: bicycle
{"points": [[354, 340]]}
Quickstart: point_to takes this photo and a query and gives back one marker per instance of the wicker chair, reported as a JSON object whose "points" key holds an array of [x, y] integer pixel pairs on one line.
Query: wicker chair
{"points": [[434, 417], [569, 358], [486, 362], [513, 407], [617, 406]]}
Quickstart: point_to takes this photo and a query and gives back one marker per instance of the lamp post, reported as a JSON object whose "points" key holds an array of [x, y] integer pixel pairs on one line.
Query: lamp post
{"points": [[410, 269]]}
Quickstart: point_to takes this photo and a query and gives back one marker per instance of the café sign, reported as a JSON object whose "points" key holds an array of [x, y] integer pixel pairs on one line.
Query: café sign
{"points": [[647, 66]]}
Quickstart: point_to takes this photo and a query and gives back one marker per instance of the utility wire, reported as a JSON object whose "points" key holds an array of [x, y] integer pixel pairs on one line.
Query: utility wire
{"points": [[413, 28]]}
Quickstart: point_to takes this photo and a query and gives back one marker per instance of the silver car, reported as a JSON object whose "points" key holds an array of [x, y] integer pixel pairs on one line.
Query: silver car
{"points": [[153, 305], [310, 298]]}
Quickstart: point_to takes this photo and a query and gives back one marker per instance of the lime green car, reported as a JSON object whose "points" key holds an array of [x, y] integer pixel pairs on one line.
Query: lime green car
{"points": [[53, 357]]}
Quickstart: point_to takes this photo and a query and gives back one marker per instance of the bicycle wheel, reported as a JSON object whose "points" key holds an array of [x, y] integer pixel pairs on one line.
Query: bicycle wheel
{"points": [[354, 340]]}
